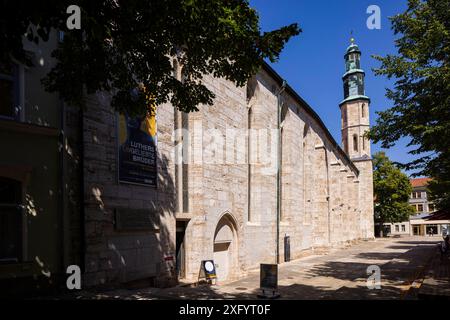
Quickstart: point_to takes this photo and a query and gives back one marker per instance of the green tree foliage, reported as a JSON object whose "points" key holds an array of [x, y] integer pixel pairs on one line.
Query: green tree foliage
{"points": [[124, 45], [392, 190], [421, 96]]}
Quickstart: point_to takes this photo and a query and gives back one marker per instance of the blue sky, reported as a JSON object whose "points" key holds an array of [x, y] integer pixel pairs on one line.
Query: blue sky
{"points": [[313, 62]]}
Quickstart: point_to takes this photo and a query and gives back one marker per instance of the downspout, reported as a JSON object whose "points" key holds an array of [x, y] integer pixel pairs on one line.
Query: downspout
{"points": [[279, 107], [179, 160], [61, 196], [81, 199], [328, 196]]}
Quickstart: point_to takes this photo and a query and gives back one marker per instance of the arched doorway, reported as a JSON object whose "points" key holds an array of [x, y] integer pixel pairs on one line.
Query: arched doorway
{"points": [[225, 248]]}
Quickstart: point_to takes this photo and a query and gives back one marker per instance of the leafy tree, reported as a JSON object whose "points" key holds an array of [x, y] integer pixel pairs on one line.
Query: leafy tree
{"points": [[392, 190], [421, 96], [125, 45]]}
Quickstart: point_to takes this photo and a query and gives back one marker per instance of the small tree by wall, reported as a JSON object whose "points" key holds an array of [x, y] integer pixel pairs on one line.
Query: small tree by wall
{"points": [[392, 190]]}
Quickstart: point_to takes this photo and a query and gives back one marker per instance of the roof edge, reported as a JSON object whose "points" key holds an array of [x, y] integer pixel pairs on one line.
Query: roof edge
{"points": [[266, 67]]}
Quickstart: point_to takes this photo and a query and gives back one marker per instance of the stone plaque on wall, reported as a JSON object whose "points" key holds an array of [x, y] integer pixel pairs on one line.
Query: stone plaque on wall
{"points": [[136, 219]]}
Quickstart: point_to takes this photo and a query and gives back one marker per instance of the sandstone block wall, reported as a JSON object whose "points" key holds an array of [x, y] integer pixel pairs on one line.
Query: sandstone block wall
{"points": [[325, 200], [113, 256]]}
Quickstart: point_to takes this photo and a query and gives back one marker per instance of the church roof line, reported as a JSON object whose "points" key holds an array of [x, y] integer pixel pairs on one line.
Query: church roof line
{"points": [[279, 80]]}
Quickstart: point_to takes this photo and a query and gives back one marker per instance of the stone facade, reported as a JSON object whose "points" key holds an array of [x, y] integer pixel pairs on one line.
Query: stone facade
{"points": [[112, 256], [222, 202]]}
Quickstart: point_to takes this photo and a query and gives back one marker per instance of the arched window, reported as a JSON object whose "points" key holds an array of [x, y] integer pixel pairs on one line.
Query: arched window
{"points": [[305, 131], [251, 88], [10, 220], [363, 110], [355, 142]]}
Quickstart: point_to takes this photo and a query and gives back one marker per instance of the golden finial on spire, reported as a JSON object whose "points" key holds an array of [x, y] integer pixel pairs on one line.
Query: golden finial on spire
{"points": [[352, 39]]}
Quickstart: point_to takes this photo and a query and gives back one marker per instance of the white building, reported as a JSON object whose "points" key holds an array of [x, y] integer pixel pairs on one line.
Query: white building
{"points": [[427, 221]]}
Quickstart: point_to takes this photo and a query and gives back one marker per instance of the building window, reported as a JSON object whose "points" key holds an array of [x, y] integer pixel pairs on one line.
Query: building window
{"points": [[355, 142], [363, 110], [9, 91], [420, 208], [431, 207], [345, 143], [403, 228], [10, 221], [397, 228], [417, 195]]}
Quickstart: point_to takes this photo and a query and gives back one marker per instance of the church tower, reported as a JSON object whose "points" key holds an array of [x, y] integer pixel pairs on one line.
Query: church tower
{"points": [[355, 123], [355, 107]]}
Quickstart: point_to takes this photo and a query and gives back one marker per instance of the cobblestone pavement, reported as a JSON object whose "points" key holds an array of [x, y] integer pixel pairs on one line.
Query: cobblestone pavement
{"points": [[339, 274]]}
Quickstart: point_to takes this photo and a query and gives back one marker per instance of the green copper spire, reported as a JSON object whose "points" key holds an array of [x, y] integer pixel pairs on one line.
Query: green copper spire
{"points": [[354, 75]]}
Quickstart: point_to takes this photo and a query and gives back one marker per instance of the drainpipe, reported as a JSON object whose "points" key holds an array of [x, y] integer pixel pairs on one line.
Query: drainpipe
{"points": [[328, 196], [81, 195], [179, 160], [61, 195], [279, 151]]}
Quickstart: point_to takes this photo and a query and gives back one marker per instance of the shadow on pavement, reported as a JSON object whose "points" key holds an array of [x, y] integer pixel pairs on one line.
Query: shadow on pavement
{"points": [[329, 280]]}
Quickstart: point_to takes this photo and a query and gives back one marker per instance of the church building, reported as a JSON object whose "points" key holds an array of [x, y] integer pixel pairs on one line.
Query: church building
{"points": [[255, 178]]}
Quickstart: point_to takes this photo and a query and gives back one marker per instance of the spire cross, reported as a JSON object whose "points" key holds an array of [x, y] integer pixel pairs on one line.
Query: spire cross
{"points": [[352, 39]]}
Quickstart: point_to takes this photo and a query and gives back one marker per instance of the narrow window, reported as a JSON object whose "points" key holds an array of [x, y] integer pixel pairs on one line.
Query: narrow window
{"points": [[346, 148], [282, 217], [185, 165], [355, 143], [363, 110]]}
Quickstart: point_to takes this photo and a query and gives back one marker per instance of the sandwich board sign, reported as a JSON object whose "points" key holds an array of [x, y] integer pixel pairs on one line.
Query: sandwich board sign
{"points": [[207, 271]]}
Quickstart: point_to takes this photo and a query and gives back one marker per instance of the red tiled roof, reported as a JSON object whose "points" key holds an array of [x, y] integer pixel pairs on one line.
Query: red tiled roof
{"points": [[420, 182]]}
